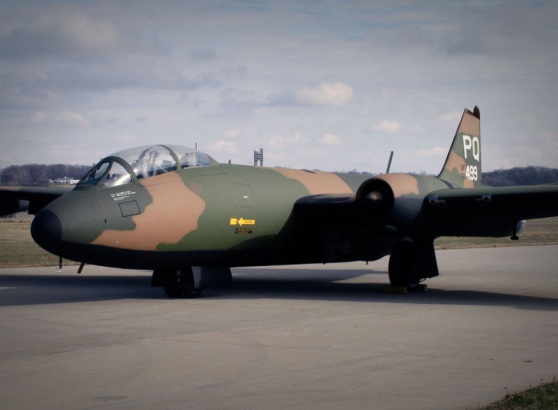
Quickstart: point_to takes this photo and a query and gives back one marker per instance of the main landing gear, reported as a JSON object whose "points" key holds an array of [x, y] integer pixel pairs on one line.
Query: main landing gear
{"points": [[410, 263], [177, 283], [189, 281]]}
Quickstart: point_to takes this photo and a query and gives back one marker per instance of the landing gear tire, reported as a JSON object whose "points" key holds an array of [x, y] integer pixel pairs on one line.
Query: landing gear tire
{"points": [[179, 283]]}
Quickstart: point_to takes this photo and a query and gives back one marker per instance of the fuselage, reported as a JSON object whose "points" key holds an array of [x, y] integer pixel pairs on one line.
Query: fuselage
{"points": [[229, 215], [166, 207]]}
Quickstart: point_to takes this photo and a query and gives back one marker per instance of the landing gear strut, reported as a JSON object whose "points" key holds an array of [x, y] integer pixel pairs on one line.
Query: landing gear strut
{"points": [[411, 262], [401, 265]]}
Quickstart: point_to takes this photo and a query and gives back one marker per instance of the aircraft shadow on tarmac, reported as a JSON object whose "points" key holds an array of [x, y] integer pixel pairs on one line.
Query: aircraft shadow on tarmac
{"points": [[274, 283]]}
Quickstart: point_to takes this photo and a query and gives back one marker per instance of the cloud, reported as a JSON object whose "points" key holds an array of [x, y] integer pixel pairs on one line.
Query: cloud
{"points": [[203, 53], [452, 117], [296, 139], [68, 118], [276, 141], [330, 139], [433, 152], [412, 36], [390, 94], [513, 28], [231, 133], [75, 35], [326, 94], [391, 127], [224, 146], [122, 75]]}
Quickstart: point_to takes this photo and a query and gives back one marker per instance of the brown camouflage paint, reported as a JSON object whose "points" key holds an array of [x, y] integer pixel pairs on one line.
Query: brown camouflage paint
{"points": [[456, 163], [470, 125], [158, 223], [317, 182], [402, 184]]}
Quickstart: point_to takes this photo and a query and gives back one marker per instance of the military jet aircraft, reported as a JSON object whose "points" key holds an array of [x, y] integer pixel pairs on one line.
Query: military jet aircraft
{"points": [[180, 213]]}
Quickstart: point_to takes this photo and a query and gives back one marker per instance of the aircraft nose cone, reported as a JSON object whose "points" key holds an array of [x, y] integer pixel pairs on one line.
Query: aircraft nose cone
{"points": [[46, 230]]}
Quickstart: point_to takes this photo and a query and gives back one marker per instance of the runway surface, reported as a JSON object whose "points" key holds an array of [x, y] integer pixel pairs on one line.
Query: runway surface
{"points": [[299, 337]]}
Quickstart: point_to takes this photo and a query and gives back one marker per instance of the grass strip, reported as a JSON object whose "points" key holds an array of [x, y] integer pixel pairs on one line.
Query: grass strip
{"points": [[541, 397], [537, 232]]}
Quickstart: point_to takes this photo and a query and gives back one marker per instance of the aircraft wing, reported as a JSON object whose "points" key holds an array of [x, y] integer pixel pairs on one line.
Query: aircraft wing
{"points": [[325, 207], [461, 212], [32, 199], [340, 210], [491, 205]]}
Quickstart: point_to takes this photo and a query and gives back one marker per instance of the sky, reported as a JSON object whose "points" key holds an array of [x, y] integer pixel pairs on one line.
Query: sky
{"points": [[330, 85]]}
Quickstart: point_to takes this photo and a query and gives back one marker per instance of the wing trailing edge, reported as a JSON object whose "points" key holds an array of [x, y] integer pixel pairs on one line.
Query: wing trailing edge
{"points": [[493, 205]]}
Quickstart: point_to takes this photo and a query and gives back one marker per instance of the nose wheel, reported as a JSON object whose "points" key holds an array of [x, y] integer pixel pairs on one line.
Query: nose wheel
{"points": [[179, 283]]}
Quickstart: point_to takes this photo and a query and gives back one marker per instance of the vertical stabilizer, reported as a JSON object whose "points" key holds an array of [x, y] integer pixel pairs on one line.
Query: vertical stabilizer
{"points": [[462, 168]]}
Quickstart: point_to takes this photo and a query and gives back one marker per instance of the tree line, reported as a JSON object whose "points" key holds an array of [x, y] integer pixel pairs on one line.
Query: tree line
{"points": [[520, 176], [42, 175], [39, 174]]}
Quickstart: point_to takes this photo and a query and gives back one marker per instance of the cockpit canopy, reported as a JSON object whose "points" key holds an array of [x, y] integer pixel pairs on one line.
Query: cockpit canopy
{"points": [[143, 162]]}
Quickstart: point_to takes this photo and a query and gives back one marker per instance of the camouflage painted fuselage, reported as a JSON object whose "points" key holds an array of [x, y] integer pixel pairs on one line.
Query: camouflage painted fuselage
{"points": [[227, 215]]}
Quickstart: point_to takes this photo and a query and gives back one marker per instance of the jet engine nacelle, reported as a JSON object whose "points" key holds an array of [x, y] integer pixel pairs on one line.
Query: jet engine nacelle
{"points": [[394, 199], [375, 200]]}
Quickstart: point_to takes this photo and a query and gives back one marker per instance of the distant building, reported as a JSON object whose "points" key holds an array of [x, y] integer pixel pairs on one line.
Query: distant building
{"points": [[66, 180]]}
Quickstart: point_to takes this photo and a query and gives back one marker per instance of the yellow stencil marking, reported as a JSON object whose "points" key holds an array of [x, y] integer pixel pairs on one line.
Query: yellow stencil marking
{"points": [[242, 221]]}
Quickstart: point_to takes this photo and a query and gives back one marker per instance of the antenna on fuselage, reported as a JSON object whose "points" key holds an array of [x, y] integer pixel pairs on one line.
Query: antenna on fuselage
{"points": [[389, 162]]}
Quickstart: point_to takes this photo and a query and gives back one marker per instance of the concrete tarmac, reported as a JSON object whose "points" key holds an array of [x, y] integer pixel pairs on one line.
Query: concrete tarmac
{"points": [[297, 337]]}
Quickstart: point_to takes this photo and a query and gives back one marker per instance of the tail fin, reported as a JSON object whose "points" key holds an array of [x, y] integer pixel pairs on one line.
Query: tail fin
{"points": [[463, 163]]}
